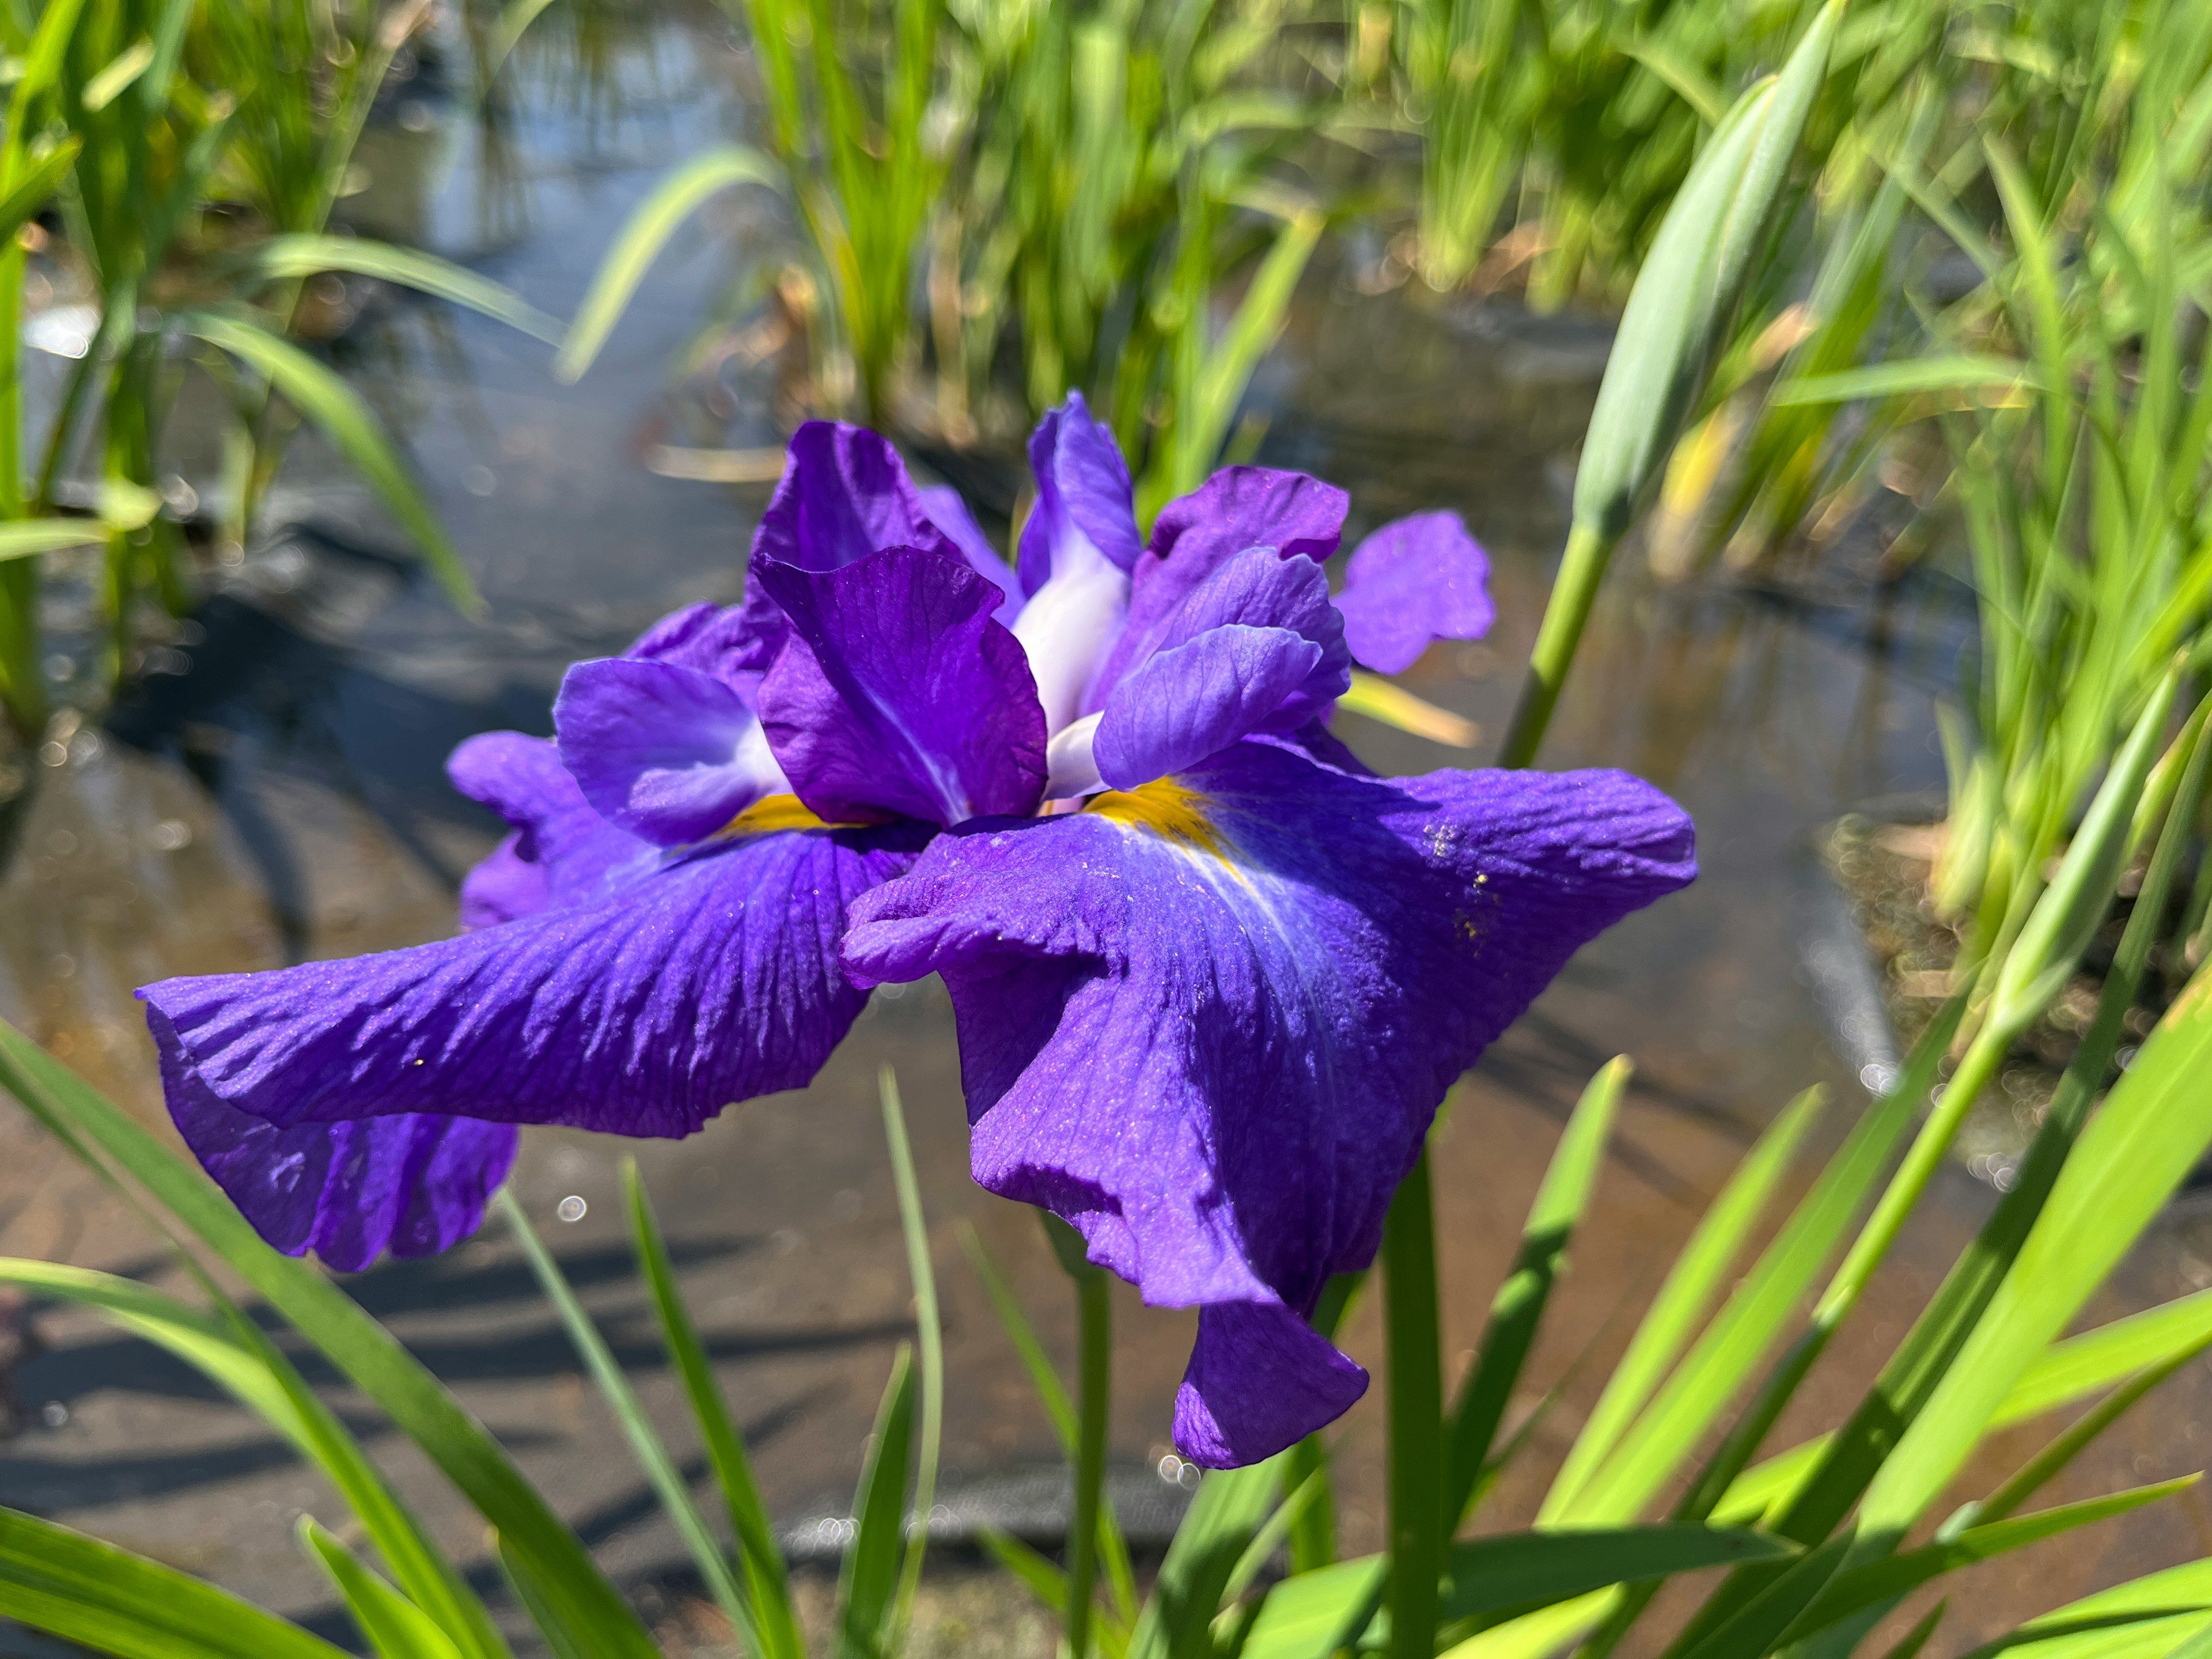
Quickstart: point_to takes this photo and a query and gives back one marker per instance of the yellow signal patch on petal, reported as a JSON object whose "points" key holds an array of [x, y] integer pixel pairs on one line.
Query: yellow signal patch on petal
{"points": [[1169, 810], [773, 812]]}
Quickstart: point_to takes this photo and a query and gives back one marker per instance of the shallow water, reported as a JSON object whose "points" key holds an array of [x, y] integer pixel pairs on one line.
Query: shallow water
{"points": [[276, 794]]}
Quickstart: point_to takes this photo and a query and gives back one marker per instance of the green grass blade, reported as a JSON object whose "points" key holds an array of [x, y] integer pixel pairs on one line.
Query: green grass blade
{"points": [[2152, 1128], [1307, 1616], [929, 1337], [660, 1470], [1860, 1587], [289, 258], [24, 538], [2146, 1618], [1531, 1569], [394, 1626], [583, 1603], [33, 187], [1044, 1580], [117, 75], [2082, 1365], [868, 1584], [1051, 1393], [1388, 703], [767, 1579], [1518, 1307], [113, 1601], [640, 242], [352, 427], [1954, 372], [1230, 1506], [1691, 1286]]}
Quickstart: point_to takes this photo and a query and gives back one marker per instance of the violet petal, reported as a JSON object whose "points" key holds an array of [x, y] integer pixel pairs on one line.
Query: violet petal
{"points": [[899, 695], [1194, 700], [1415, 579], [1209, 1022], [950, 515], [669, 754], [1086, 507]]}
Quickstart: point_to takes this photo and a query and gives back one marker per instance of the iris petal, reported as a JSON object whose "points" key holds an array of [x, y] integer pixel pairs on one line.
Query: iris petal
{"points": [[1415, 579], [1194, 700], [1238, 507], [670, 753], [580, 856], [950, 515], [844, 494], [1209, 1022], [899, 695], [712, 980]]}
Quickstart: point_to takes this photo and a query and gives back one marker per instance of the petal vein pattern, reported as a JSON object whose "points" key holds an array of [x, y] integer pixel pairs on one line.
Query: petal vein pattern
{"points": [[712, 980], [1209, 1021]]}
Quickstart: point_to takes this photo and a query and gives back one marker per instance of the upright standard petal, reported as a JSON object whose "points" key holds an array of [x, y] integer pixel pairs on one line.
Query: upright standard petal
{"points": [[1085, 506], [899, 695], [1238, 507], [950, 515], [668, 753], [712, 980], [844, 494], [718, 640], [1209, 1021], [1415, 579]]}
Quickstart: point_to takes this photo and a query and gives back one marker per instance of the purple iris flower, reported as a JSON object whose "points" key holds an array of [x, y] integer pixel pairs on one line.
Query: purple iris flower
{"points": [[1212, 977]]}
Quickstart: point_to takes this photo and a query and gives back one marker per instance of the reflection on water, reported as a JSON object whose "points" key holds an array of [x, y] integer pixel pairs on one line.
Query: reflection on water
{"points": [[274, 792]]}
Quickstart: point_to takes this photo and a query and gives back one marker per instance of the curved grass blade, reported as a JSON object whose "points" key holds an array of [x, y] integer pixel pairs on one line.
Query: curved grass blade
{"points": [[1230, 1506], [2146, 1618], [347, 421], [660, 1470], [232, 1352], [867, 1585], [767, 1579], [113, 1601], [35, 186], [394, 1626], [1957, 372], [1518, 1306], [285, 257], [640, 242], [2154, 1126], [1388, 703], [25, 538], [580, 1604]]}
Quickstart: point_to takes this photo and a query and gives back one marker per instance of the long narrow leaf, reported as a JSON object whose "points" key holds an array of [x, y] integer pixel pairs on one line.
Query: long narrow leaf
{"points": [[396, 1627], [347, 421], [283, 258], [113, 1601]]}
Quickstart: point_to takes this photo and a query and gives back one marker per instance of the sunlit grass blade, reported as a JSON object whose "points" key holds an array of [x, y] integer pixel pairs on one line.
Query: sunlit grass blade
{"points": [[1271, 1536], [24, 538], [394, 1625], [767, 1579], [232, 1352], [1691, 1286], [289, 257], [660, 1471], [1768, 1624], [113, 1601], [2153, 1128], [35, 185], [867, 1586], [1388, 703], [1956, 372], [650, 225], [1518, 1306], [1231, 1505], [345, 419], [2146, 1618], [581, 1601], [2080, 1365]]}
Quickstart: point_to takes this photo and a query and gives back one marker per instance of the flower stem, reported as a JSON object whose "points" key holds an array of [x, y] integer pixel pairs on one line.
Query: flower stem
{"points": [[1095, 1343], [1582, 568], [1416, 1408]]}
